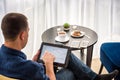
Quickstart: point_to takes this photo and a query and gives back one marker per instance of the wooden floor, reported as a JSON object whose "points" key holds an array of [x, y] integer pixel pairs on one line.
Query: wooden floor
{"points": [[96, 66]]}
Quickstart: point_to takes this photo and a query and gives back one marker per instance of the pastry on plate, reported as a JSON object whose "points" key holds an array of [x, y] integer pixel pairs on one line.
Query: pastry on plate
{"points": [[76, 33]]}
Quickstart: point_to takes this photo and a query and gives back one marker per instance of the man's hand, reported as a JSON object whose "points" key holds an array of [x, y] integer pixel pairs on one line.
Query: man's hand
{"points": [[36, 56], [48, 59]]}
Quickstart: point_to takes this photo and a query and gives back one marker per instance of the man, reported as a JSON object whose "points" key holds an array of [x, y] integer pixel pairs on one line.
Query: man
{"points": [[13, 62]]}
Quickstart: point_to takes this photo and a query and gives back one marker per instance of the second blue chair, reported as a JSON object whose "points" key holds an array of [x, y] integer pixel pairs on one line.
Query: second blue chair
{"points": [[110, 57]]}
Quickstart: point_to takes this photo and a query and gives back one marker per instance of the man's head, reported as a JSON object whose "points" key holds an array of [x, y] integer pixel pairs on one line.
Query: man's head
{"points": [[15, 26]]}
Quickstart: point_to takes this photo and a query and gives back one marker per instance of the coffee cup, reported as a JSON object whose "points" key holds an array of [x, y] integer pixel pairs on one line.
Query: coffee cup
{"points": [[62, 35]]}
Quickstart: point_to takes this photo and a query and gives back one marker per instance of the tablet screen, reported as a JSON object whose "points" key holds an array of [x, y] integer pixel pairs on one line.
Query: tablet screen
{"points": [[60, 52]]}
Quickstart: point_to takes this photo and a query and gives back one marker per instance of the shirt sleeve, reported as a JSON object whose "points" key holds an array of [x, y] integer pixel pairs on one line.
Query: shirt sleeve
{"points": [[37, 71], [41, 74]]}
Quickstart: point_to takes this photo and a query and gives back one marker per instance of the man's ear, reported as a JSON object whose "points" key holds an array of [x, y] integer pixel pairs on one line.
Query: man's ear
{"points": [[22, 35]]}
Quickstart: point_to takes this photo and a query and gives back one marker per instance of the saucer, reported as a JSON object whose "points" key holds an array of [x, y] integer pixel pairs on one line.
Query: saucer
{"points": [[57, 38]]}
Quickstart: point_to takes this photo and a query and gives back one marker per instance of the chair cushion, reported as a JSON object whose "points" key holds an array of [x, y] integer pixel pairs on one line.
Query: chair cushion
{"points": [[112, 51], [2, 77]]}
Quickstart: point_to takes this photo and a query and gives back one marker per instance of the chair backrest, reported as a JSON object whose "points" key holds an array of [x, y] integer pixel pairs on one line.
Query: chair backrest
{"points": [[2, 77]]}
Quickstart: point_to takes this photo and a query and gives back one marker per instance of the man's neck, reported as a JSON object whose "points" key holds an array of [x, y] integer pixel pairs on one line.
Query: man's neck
{"points": [[13, 45]]}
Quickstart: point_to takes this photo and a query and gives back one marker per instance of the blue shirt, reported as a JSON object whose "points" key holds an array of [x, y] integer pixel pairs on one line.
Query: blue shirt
{"points": [[13, 64]]}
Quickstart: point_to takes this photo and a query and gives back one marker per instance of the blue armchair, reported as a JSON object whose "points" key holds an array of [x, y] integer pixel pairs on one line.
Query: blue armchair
{"points": [[110, 57]]}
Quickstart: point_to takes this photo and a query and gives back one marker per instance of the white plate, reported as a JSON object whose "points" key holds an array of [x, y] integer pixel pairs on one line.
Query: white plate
{"points": [[57, 38], [82, 34]]}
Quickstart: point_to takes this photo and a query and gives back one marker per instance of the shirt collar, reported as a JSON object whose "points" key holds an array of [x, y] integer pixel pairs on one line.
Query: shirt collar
{"points": [[11, 51]]}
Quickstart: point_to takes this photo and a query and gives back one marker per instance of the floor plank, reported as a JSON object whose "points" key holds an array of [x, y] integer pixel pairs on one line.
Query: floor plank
{"points": [[96, 66]]}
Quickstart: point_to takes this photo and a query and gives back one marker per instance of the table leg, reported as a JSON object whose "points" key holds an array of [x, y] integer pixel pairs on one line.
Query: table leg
{"points": [[82, 55], [89, 56]]}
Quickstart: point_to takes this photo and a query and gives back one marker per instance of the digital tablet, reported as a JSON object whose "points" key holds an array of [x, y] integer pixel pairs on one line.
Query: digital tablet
{"points": [[60, 52]]}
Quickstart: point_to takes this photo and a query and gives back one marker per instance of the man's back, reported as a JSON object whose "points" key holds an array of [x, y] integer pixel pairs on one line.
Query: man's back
{"points": [[13, 63]]}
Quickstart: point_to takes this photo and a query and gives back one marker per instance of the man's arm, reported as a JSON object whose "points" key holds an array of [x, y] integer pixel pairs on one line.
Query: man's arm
{"points": [[48, 59]]}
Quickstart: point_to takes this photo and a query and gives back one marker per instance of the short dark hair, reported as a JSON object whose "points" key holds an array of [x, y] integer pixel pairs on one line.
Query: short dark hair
{"points": [[12, 24]]}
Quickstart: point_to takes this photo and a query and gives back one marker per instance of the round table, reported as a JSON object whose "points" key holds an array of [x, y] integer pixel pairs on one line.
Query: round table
{"points": [[90, 36]]}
